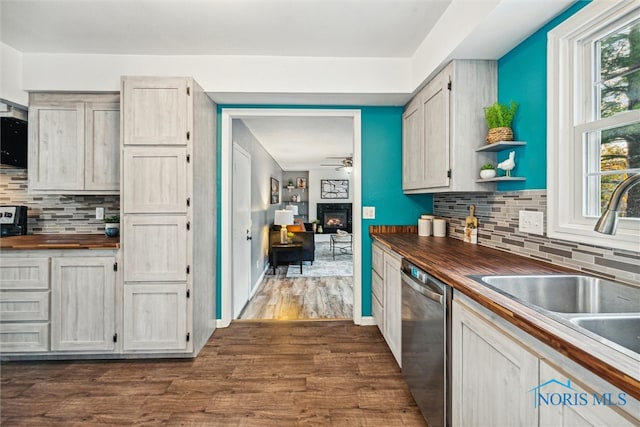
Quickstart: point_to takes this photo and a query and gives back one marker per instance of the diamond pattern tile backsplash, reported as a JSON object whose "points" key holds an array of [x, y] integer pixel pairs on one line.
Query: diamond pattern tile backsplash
{"points": [[498, 228], [55, 213]]}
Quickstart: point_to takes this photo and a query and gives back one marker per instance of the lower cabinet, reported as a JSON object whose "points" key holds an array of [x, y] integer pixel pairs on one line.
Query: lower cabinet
{"points": [[386, 297], [583, 411], [489, 371], [155, 317], [501, 376], [393, 304], [83, 303]]}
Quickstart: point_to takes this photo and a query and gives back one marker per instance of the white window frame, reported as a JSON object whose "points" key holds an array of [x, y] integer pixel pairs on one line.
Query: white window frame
{"points": [[568, 99]]}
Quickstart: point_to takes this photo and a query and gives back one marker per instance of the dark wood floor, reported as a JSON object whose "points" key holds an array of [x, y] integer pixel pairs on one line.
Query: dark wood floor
{"points": [[329, 373]]}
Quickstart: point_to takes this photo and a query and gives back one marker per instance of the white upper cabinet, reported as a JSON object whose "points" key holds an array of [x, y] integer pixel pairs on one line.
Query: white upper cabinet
{"points": [[156, 111], [56, 147], [102, 146], [442, 126], [74, 143]]}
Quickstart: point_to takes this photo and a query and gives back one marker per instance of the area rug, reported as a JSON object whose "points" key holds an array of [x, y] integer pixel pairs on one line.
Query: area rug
{"points": [[324, 264]]}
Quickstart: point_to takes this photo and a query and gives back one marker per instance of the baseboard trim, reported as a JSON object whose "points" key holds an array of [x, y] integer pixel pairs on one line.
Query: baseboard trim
{"points": [[367, 321]]}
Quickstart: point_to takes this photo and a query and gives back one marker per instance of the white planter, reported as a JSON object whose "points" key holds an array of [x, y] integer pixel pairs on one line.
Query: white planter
{"points": [[487, 173]]}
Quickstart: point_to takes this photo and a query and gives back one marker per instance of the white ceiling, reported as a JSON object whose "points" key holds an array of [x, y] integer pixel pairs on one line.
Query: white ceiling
{"points": [[322, 28], [413, 29], [304, 143]]}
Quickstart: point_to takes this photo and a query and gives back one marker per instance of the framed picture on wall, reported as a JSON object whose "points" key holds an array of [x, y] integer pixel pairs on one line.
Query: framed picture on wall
{"points": [[301, 182], [334, 188], [275, 191]]}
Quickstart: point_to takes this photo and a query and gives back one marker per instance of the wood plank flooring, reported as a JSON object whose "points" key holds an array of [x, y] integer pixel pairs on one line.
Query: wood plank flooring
{"points": [[328, 373], [282, 298]]}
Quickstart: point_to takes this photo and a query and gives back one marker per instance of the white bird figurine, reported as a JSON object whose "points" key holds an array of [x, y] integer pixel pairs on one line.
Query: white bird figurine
{"points": [[508, 164]]}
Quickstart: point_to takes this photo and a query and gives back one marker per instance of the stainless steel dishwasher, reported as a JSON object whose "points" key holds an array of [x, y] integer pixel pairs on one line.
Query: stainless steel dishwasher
{"points": [[426, 333]]}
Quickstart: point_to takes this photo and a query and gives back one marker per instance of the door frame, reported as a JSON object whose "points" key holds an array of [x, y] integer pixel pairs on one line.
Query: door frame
{"points": [[226, 210]]}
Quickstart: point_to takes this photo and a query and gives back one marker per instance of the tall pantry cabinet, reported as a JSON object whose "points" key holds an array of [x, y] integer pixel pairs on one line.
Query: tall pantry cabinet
{"points": [[168, 214]]}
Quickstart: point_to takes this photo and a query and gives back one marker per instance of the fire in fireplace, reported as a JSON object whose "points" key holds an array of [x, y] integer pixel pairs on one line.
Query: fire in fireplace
{"points": [[334, 216]]}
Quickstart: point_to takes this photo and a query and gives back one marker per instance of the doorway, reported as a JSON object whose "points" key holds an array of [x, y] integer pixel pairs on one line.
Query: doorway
{"points": [[227, 265]]}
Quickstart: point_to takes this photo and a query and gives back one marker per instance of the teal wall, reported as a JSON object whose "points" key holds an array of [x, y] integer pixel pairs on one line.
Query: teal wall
{"points": [[522, 77], [381, 181]]}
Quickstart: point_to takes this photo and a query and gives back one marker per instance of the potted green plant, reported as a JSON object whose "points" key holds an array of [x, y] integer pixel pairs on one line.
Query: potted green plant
{"points": [[112, 226], [499, 118], [487, 171], [290, 185]]}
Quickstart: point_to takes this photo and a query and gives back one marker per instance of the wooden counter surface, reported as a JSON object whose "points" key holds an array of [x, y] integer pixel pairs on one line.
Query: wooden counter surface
{"points": [[452, 260], [59, 241]]}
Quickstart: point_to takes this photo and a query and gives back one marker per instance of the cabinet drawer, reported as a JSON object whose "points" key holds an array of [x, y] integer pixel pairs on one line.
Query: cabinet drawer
{"points": [[377, 262], [377, 286], [16, 306], [24, 273], [376, 312], [24, 337]]}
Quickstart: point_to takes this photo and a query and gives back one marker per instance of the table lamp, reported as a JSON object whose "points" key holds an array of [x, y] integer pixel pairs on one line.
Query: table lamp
{"points": [[283, 218]]}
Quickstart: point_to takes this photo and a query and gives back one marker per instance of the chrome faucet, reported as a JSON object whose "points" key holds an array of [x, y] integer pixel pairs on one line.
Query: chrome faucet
{"points": [[609, 219]]}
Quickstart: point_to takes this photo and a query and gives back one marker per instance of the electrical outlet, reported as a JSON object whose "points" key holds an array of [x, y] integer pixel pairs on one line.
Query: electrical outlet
{"points": [[99, 213], [368, 212], [531, 222]]}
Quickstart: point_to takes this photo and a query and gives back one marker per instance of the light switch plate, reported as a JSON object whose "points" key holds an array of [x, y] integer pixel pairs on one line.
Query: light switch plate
{"points": [[99, 213], [531, 222], [368, 212]]}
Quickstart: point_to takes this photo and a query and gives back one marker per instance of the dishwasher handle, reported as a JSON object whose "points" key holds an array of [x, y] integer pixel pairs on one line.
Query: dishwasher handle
{"points": [[426, 289]]}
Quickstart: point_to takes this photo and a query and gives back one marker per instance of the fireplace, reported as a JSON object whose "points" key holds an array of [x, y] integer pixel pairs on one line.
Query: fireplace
{"points": [[334, 217]]}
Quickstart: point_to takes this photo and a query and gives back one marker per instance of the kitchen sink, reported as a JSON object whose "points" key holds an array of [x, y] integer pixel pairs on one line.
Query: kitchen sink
{"points": [[593, 306], [569, 293], [622, 330]]}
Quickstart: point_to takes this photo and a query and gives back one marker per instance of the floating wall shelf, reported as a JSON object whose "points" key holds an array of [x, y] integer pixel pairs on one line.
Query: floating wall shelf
{"points": [[502, 179], [500, 145]]}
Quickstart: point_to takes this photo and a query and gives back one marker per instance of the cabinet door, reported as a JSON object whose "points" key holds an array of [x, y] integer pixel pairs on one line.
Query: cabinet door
{"points": [[155, 248], [82, 303], [156, 180], [435, 116], [102, 146], [584, 412], [491, 374], [155, 317], [412, 147], [56, 147], [393, 305], [155, 111]]}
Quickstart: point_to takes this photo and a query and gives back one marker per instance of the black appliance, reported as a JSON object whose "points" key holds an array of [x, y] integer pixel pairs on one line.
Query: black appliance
{"points": [[13, 220], [13, 142]]}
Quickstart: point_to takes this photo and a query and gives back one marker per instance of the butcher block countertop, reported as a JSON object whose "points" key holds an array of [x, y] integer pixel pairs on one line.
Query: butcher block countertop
{"points": [[452, 260], [59, 241]]}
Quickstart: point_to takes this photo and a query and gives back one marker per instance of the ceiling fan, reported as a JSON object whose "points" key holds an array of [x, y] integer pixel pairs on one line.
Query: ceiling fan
{"points": [[346, 163]]}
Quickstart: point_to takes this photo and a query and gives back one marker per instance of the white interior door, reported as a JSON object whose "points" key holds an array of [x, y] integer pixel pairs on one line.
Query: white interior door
{"points": [[241, 240]]}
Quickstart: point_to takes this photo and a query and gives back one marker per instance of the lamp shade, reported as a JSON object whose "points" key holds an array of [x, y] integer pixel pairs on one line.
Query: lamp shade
{"points": [[283, 217], [292, 208]]}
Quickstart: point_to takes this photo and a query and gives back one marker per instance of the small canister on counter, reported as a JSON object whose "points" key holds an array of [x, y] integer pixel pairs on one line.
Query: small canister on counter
{"points": [[439, 227], [425, 225]]}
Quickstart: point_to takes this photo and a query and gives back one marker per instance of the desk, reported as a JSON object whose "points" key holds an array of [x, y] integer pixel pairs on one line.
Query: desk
{"points": [[345, 240], [279, 247]]}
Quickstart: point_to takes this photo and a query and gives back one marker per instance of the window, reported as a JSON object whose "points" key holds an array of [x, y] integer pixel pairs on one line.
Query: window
{"points": [[594, 122]]}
